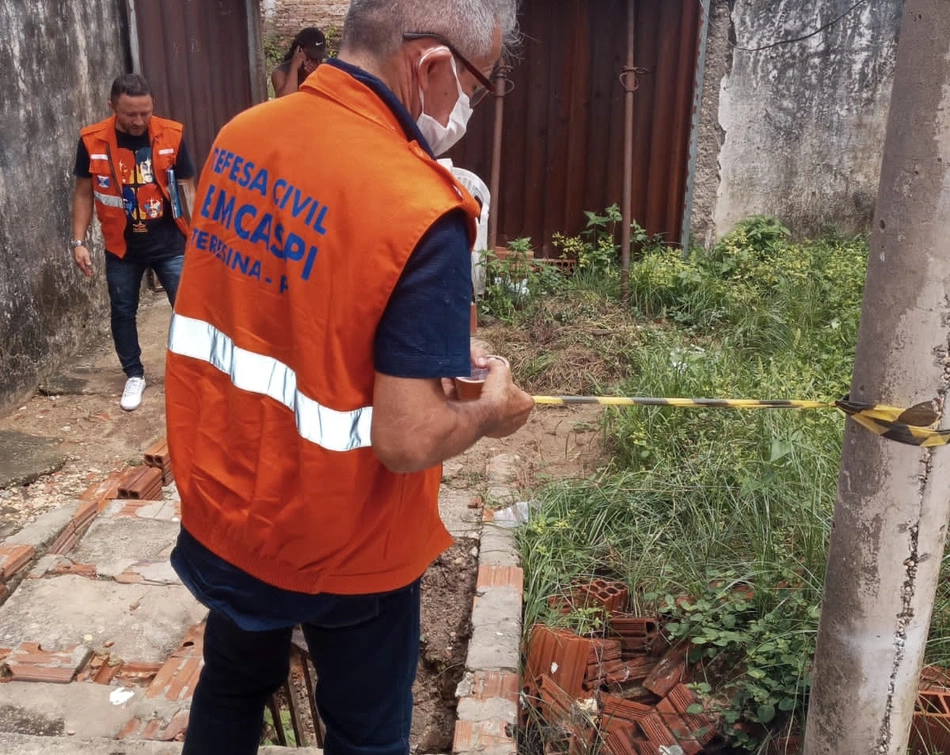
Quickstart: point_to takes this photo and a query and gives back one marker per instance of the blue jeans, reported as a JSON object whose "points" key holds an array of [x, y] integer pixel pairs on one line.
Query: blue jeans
{"points": [[364, 648], [124, 277]]}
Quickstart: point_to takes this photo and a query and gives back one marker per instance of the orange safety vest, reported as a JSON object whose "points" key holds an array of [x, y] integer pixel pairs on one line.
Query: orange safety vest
{"points": [[307, 212], [108, 177]]}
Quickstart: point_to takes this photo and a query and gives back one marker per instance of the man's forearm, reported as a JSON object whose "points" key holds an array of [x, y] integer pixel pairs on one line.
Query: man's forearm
{"points": [[187, 197], [82, 211]]}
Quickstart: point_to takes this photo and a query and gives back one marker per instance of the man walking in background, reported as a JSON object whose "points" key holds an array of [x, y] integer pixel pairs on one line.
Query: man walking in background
{"points": [[127, 168]]}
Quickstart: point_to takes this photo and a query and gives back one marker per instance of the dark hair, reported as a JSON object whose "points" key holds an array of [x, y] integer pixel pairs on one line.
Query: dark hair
{"points": [[306, 38], [130, 84]]}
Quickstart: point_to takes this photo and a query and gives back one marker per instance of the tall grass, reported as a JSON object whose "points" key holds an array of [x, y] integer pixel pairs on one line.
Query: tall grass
{"points": [[697, 501]]}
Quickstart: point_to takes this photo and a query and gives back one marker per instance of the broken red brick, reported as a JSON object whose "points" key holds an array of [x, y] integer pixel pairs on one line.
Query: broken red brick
{"points": [[132, 729], [152, 729], [28, 662], [99, 670], [132, 508], [560, 654], [645, 747], [177, 679], [157, 729], [500, 576], [174, 730], [669, 672], [178, 675], [104, 490], [157, 454], [656, 730], [554, 703], [934, 676], [581, 737], [611, 596], [637, 634], [85, 514], [140, 483], [632, 671], [14, 559], [65, 542], [930, 730], [934, 700], [702, 725], [617, 709], [562, 604], [475, 502], [619, 740], [685, 737], [65, 566], [138, 673], [471, 736], [489, 684]]}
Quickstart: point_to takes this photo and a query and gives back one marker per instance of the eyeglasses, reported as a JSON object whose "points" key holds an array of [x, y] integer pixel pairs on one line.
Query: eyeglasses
{"points": [[480, 92]]}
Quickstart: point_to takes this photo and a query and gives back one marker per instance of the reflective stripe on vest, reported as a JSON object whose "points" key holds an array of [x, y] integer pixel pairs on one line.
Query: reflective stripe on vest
{"points": [[256, 373], [109, 200]]}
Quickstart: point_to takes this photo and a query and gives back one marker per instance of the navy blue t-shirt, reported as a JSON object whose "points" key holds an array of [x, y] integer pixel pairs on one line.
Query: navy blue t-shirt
{"points": [[424, 334], [150, 231]]}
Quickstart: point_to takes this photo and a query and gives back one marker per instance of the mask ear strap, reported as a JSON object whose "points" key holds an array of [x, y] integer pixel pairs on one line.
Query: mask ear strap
{"points": [[458, 81], [431, 50]]}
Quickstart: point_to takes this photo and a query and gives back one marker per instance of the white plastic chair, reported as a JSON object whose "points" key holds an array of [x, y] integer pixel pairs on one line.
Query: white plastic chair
{"points": [[477, 188]]}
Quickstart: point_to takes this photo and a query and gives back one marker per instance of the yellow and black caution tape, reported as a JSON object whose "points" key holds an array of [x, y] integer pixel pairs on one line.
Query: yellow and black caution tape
{"points": [[914, 426]]}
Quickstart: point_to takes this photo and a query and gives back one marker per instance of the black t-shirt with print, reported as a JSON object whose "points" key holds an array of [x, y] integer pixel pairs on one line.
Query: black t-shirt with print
{"points": [[150, 231]]}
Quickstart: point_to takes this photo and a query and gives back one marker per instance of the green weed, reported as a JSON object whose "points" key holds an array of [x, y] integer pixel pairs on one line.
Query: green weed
{"points": [[719, 519]]}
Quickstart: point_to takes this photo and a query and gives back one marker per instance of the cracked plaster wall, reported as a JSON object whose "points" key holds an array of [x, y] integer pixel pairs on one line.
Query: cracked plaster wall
{"points": [[60, 59], [795, 131]]}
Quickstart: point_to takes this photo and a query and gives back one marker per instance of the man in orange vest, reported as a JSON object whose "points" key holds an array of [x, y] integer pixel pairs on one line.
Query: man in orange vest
{"points": [[323, 306], [128, 168]]}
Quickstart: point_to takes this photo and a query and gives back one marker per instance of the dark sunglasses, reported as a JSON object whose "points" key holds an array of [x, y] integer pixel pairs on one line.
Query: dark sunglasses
{"points": [[486, 86]]}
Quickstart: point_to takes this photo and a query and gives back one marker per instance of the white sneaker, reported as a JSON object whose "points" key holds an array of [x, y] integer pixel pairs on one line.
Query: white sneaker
{"points": [[132, 395]]}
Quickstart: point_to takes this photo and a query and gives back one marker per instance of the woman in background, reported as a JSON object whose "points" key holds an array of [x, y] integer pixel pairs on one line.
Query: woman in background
{"points": [[306, 52]]}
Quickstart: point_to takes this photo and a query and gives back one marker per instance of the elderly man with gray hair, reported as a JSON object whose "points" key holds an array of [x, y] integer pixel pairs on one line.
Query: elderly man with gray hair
{"points": [[323, 310]]}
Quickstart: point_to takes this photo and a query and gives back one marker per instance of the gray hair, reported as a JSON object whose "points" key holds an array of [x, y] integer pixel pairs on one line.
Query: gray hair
{"points": [[377, 26]]}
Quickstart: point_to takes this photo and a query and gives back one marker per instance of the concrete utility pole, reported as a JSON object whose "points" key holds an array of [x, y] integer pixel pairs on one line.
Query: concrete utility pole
{"points": [[893, 501]]}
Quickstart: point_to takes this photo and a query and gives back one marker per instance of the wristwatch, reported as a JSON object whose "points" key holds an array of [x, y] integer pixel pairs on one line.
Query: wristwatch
{"points": [[73, 243]]}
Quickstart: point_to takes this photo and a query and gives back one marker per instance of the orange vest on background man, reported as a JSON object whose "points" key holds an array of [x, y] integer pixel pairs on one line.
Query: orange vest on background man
{"points": [[299, 236], [101, 143]]}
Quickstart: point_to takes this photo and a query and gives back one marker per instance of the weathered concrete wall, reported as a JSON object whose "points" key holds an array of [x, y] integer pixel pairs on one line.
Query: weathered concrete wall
{"points": [[58, 60], [284, 18], [799, 127], [711, 136]]}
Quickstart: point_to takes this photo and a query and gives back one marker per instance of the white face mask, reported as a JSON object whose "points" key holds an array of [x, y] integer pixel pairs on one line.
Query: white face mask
{"points": [[442, 138]]}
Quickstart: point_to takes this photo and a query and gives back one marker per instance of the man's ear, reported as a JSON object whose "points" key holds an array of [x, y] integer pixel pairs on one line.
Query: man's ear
{"points": [[428, 62], [111, 106]]}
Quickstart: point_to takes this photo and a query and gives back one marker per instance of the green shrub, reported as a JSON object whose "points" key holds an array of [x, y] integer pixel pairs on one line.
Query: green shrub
{"points": [[513, 283]]}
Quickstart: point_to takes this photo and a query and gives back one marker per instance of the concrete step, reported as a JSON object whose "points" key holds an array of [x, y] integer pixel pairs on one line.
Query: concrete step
{"points": [[21, 744]]}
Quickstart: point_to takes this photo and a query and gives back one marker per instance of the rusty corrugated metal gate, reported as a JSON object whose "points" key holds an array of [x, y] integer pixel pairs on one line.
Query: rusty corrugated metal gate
{"points": [[197, 56], [563, 123]]}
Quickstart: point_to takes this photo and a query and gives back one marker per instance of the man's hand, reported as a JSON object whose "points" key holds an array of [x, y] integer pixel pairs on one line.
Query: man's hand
{"points": [[417, 423], [299, 58], [510, 405], [83, 260]]}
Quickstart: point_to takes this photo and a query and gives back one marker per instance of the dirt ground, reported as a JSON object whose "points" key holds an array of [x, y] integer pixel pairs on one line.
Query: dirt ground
{"points": [[79, 408]]}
